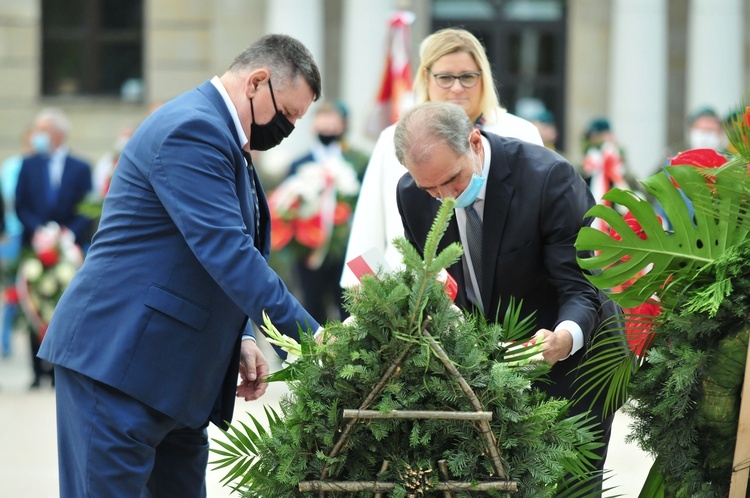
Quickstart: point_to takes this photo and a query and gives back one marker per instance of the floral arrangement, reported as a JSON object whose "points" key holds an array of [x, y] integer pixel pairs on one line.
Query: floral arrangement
{"points": [[418, 371], [45, 272], [311, 210], [691, 346]]}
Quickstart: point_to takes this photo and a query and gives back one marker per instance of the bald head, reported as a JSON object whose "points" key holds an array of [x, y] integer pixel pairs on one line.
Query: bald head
{"points": [[427, 125]]}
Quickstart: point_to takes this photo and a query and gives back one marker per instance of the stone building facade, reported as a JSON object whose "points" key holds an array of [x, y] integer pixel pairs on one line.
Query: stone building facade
{"points": [[645, 64]]}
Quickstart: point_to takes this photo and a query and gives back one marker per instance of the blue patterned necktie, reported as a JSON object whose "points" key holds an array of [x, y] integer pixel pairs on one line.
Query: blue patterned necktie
{"points": [[474, 238], [256, 210]]}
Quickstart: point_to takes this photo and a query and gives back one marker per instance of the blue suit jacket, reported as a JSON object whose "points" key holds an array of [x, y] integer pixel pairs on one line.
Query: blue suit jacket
{"points": [[33, 206], [159, 306]]}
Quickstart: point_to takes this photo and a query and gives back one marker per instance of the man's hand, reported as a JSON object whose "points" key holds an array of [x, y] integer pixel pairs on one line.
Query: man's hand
{"points": [[253, 371], [556, 345]]}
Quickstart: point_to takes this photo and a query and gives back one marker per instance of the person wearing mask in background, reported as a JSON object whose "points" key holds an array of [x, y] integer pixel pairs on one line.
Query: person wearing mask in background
{"points": [[453, 68], [150, 336], [10, 249], [51, 184], [317, 198], [533, 203], [545, 123], [706, 131]]}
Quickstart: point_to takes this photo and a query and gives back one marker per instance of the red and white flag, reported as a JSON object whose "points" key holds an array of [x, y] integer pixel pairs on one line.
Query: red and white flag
{"points": [[395, 93]]}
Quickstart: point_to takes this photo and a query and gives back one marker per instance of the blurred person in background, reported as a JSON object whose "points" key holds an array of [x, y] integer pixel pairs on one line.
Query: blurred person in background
{"points": [[706, 130], [312, 210], [603, 159], [10, 248], [453, 68], [51, 184], [545, 123], [106, 164]]}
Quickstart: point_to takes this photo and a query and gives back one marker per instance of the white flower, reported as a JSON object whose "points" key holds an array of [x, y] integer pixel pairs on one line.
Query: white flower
{"points": [[33, 269], [64, 272], [48, 285]]}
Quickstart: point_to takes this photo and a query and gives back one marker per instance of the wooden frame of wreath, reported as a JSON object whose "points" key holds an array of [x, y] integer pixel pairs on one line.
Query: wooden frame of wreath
{"points": [[446, 485]]}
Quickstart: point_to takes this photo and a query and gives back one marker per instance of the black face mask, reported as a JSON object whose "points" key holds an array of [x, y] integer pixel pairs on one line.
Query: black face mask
{"points": [[328, 139], [265, 136]]}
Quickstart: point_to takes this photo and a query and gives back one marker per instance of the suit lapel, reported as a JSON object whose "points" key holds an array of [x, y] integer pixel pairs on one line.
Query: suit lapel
{"points": [[243, 187], [496, 207]]}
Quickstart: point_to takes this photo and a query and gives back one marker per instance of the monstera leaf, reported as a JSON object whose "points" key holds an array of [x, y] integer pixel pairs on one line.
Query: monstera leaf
{"points": [[707, 212]]}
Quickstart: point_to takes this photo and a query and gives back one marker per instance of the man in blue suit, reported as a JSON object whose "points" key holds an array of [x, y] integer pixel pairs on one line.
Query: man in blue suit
{"points": [[148, 340], [51, 184]]}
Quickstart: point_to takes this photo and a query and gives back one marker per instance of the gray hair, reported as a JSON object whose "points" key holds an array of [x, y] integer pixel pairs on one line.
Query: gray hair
{"points": [[284, 57], [57, 117], [429, 124]]}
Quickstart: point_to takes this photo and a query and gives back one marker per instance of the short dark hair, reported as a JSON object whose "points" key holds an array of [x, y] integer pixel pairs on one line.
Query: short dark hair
{"points": [[285, 57]]}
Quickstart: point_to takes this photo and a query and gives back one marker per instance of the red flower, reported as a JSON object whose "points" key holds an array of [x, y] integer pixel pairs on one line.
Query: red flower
{"points": [[11, 295], [633, 224], [639, 329], [342, 213], [49, 257], [281, 233], [309, 232], [702, 158]]}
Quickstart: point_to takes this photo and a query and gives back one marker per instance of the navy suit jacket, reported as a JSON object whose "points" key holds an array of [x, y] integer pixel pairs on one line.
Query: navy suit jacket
{"points": [[173, 273], [534, 207], [33, 206]]}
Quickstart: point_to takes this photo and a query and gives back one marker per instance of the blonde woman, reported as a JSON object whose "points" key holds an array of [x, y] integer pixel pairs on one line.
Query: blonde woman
{"points": [[453, 68]]}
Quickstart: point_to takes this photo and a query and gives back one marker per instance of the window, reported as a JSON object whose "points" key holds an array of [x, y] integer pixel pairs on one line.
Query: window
{"points": [[525, 43], [92, 48]]}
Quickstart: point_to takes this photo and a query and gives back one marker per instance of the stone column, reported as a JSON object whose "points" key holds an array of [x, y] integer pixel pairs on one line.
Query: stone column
{"points": [[302, 19], [715, 55], [638, 82], [363, 56]]}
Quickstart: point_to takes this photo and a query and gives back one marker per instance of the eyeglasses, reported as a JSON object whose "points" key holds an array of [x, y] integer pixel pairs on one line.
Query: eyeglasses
{"points": [[446, 80]]}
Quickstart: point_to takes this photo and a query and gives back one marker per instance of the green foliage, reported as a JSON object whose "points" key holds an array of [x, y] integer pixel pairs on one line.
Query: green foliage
{"points": [[538, 444], [687, 396], [678, 254], [686, 392]]}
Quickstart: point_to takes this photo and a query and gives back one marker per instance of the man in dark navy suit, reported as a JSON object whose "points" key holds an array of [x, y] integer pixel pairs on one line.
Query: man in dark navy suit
{"points": [[51, 184], [519, 208]]}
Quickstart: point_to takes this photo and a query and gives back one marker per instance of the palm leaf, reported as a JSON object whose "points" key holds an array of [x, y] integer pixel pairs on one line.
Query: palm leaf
{"points": [[694, 242]]}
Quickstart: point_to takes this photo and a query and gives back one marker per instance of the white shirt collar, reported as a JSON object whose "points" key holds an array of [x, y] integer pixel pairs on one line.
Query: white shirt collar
{"points": [[215, 81]]}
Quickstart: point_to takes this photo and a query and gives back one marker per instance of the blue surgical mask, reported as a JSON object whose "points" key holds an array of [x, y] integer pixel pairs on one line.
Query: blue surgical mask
{"points": [[40, 142], [469, 195]]}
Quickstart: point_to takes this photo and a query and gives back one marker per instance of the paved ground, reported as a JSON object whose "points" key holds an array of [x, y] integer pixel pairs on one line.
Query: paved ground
{"points": [[28, 458]]}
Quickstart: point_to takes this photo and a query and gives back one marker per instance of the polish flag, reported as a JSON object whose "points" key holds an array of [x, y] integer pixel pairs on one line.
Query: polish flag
{"points": [[395, 93]]}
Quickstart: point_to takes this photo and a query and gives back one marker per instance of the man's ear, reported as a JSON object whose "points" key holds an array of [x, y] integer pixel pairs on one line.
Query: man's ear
{"points": [[475, 139], [255, 80]]}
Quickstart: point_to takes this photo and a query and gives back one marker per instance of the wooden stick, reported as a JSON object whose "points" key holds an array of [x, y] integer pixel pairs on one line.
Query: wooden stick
{"points": [[384, 487], [396, 364], [741, 463], [484, 426], [451, 415], [443, 467], [383, 468]]}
